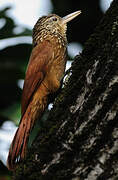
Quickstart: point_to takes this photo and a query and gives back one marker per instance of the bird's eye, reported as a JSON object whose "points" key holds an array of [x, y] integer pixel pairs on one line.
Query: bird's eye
{"points": [[54, 19]]}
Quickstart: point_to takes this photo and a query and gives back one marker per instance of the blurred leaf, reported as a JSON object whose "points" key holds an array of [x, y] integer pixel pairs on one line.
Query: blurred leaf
{"points": [[13, 112], [8, 29], [13, 62]]}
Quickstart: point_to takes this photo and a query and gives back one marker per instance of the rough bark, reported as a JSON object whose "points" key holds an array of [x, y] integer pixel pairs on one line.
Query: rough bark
{"points": [[80, 139]]}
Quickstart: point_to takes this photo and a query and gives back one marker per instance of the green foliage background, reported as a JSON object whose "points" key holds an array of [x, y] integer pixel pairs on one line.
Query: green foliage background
{"points": [[14, 59]]}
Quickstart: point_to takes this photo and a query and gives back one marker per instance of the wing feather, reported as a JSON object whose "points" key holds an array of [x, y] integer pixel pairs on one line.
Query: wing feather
{"points": [[36, 71]]}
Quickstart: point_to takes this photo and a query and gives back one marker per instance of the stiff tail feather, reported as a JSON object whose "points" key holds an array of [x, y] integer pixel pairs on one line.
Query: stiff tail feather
{"points": [[19, 144], [18, 147]]}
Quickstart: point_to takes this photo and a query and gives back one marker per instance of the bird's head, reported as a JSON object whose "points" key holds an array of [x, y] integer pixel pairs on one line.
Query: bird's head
{"points": [[53, 24]]}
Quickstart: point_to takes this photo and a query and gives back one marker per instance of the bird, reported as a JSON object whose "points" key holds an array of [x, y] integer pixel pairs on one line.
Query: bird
{"points": [[43, 77]]}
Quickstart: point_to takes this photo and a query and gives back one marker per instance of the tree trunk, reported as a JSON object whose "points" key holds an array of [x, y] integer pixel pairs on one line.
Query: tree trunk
{"points": [[80, 137]]}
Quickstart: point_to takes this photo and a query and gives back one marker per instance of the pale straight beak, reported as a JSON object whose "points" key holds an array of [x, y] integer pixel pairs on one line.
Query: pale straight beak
{"points": [[71, 16]]}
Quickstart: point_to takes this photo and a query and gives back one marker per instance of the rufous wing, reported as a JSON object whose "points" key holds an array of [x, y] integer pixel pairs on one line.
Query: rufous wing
{"points": [[36, 71]]}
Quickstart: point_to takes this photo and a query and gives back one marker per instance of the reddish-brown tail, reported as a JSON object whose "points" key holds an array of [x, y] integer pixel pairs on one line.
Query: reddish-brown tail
{"points": [[19, 144]]}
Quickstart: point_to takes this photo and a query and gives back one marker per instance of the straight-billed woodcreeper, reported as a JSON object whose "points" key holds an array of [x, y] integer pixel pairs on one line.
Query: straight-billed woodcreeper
{"points": [[43, 76]]}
